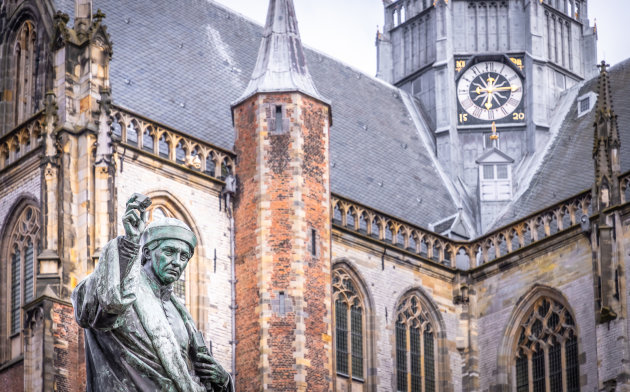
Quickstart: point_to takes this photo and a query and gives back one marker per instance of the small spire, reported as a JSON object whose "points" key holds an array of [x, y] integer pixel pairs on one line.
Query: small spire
{"points": [[281, 64], [606, 142]]}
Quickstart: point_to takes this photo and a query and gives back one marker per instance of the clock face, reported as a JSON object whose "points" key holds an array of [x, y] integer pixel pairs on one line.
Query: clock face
{"points": [[490, 91]]}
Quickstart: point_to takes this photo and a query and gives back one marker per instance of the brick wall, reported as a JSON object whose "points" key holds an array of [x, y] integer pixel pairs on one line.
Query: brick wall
{"points": [[68, 354], [12, 377], [283, 291]]}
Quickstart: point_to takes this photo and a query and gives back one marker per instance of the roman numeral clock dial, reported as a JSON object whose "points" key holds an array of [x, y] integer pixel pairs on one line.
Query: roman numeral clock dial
{"points": [[490, 91]]}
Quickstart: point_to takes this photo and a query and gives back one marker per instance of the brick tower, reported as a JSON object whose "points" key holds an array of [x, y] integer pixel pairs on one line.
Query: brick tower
{"points": [[282, 212]]}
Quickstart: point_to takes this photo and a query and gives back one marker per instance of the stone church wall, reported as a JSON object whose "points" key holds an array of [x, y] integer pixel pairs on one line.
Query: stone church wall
{"points": [[387, 278], [24, 183], [564, 265]]}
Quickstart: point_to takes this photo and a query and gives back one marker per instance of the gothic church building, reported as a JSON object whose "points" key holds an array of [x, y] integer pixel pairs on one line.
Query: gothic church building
{"points": [[460, 222]]}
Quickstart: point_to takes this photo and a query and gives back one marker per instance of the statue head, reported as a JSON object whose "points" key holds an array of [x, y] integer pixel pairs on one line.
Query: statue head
{"points": [[168, 244]]}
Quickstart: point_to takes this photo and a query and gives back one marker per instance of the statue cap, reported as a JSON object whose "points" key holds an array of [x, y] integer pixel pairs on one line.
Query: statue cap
{"points": [[168, 229]]}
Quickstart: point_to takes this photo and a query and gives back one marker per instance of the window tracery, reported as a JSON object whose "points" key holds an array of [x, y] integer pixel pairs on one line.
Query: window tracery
{"points": [[415, 347], [349, 326], [547, 343], [23, 245]]}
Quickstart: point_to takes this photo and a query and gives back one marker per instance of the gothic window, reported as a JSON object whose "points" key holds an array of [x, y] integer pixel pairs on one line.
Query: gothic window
{"points": [[349, 326], [24, 55], [547, 332], [22, 248], [415, 347]]}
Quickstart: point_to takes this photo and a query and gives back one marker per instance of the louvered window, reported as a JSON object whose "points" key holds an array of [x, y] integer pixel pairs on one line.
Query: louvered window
{"points": [[549, 322], [349, 331], [28, 272]]}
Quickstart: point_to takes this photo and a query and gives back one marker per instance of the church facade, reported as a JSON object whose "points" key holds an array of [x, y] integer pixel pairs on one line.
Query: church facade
{"points": [[461, 222]]}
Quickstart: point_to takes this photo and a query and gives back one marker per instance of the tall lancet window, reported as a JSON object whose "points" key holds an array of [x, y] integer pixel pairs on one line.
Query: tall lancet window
{"points": [[415, 347], [546, 358], [349, 326], [24, 60], [19, 251]]}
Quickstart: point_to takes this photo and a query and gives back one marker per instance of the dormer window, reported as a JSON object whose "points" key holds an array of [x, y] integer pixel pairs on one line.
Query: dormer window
{"points": [[585, 103], [495, 176]]}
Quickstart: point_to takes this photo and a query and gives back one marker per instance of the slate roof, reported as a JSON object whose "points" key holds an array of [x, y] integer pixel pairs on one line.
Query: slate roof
{"points": [[568, 167], [182, 63]]}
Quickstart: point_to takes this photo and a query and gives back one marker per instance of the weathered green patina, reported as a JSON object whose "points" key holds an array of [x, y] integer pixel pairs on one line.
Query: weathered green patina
{"points": [[138, 336]]}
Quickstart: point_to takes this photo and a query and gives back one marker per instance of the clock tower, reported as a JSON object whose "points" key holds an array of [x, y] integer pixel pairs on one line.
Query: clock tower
{"points": [[470, 64]]}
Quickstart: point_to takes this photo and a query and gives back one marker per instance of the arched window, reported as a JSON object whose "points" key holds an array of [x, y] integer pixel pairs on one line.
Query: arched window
{"points": [[415, 347], [22, 248], [547, 332], [349, 326], [24, 57]]}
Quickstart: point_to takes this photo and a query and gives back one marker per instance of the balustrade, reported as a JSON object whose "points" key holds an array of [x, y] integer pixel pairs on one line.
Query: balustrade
{"points": [[462, 254], [167, 143]]}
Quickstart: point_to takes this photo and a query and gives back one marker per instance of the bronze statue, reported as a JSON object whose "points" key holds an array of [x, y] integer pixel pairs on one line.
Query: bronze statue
{"points": [[138, 336]]}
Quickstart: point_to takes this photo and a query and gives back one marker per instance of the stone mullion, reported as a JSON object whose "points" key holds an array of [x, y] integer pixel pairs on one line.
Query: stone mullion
{"points": [[545, 348], [563, 364], [349, 340], [408, 354], [530, 371], [423, 381]]}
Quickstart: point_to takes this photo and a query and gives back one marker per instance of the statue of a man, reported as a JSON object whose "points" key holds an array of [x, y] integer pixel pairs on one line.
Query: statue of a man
{"points": [[138, 335]]}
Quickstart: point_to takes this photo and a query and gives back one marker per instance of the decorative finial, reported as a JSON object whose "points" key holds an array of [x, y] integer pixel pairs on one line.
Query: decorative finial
{"points": [[495, 136], [603, 67], [99, 15]]}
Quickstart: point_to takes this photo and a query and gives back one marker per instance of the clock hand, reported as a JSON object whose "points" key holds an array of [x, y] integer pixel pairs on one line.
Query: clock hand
{"points": [[510, 88]]}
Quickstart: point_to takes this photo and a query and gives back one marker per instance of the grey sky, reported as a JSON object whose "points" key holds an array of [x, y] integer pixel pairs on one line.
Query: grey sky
{"points": [[346, 29]]}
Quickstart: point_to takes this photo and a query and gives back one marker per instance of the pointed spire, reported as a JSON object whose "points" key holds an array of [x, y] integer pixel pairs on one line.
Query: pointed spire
{"points": [[281, 64], [606, 142]]}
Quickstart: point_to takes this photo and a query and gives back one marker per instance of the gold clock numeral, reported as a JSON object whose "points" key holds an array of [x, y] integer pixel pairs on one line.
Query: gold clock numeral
{"points": [[463, 117]]}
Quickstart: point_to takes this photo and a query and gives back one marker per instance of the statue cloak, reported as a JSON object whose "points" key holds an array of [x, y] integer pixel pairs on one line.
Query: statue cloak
{"points": [[129, 344]]}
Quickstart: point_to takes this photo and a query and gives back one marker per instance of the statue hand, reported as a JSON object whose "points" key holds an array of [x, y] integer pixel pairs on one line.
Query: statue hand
{"points": [[210, 372], [135, 219]]}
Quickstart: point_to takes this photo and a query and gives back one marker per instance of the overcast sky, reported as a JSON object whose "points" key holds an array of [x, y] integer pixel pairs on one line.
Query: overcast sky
{"points": [[346, 29]]}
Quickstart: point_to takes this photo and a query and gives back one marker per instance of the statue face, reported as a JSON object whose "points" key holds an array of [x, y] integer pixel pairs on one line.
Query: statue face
{"points": [[170, 259]]}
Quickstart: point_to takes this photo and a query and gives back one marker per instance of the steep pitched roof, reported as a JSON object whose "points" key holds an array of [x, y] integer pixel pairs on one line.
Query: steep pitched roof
{"points": [[281, 64], [182, 63], [568, 167]]}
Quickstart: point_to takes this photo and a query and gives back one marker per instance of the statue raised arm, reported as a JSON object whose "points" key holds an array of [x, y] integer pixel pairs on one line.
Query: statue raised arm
{"points": [[138, 336]]}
